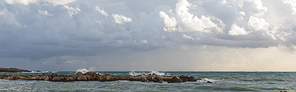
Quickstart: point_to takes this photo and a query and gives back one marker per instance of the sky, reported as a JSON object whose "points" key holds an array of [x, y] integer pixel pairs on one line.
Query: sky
{"points": [[145, 35]]}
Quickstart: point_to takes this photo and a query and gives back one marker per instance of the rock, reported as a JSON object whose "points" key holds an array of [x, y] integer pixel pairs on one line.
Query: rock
{"points": [[166, 78], [89, 78], [11, 75], [27, 76], [44, 77], [79, 73], [74, 77], [102, 78], [136, 78], [192, 79], [56, 78], [107, 75], [99, 74], [157, 80], [209, 82], [68, 79], [150, 78], [92, 74], [54, 75], [186, 78], [9, 78], [82, 78], [145, 80], [13, 70], [175, 80], [112, 78]]}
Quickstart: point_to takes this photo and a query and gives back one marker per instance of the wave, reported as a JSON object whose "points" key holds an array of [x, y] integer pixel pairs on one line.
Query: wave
{"points": [[134, 73], [82, 70]]}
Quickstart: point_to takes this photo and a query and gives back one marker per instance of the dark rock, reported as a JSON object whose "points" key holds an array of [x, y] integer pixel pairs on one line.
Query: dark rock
{"points": [[175, 80], [209, 82], [157, 80], [68, 79], [74, 77], [89, 78]]}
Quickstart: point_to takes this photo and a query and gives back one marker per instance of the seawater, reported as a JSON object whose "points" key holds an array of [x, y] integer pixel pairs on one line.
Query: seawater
{"points": [[221, 81]]}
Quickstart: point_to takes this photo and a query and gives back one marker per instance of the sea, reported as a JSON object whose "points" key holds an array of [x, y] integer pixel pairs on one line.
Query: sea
{"points": [[221, 82]]}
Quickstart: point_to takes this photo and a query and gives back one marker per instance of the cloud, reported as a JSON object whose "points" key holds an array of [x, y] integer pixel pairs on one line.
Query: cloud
{"points": [[236, 30], [102, 11], [120, 19], [25, 2], [61, 2], [51, 28]]}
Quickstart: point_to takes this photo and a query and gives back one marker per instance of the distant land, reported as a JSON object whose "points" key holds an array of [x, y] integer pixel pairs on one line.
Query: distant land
{"points": [[13, 70]]}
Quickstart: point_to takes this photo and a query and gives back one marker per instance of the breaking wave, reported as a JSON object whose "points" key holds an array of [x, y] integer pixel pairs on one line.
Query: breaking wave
{"points": [[147, 73]]}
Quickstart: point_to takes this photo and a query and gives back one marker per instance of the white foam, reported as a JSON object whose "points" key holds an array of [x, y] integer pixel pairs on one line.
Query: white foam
{"points": [[139, 73], [82, 70]]}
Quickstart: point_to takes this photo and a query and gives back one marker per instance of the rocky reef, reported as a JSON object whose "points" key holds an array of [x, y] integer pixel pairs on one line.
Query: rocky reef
{"points": [[13, 70], [92, 76]]}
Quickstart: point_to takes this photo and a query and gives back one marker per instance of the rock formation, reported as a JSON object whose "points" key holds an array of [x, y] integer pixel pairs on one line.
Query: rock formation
{"points": [[13, 70], [92, 76]]}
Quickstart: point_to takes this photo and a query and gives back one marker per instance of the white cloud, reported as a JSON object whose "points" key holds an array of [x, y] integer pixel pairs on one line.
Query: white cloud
{"points": [[120, 19], [258, 23], [102, 11], [170, 23], [189, 22], [25, 2], [45, 12], [59, 2], [236, 30], [72, 11], [187, 37], [293, 5]]}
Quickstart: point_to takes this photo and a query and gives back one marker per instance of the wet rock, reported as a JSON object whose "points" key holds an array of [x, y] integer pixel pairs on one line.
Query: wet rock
{"points": [[107, 75], [79, 73], [34, 78], [82, 78], [166, 78], [56, 79], [175, 80], [186, 78], [89, 78], [99, 74], [92, 74], [144, 80], [68, 79], [112, 78], [136, 78], [74, 77], [102, 78], [157, 80], [54, 75], [44, 77], [9, 78], [209, 82]]}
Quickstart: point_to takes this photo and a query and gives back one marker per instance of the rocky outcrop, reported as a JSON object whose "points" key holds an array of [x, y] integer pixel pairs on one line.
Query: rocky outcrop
{"points": [[92, 76], [13, 70]]}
